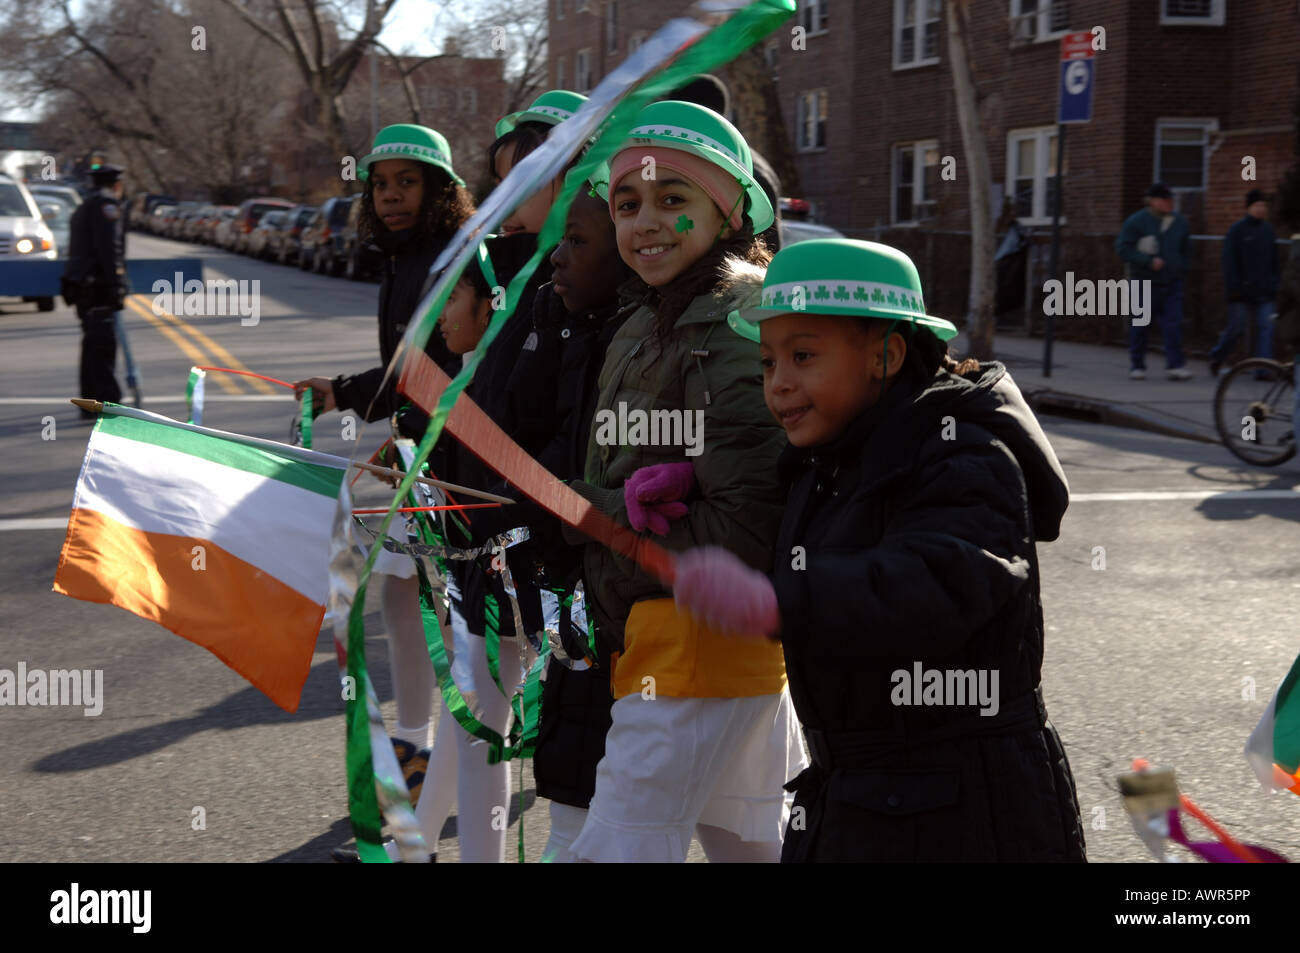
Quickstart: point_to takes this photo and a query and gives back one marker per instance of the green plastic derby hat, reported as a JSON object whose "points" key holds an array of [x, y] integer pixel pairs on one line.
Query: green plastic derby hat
{"points": [[841, 276], [702, 132], [552, 107], [408, 141]]}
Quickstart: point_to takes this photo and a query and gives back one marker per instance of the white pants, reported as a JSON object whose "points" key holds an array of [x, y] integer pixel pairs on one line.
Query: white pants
{"points": [[676, 766]]}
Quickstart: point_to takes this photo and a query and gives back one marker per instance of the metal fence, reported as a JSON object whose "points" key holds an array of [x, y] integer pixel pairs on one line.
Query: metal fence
{"points": [[943, 260]]}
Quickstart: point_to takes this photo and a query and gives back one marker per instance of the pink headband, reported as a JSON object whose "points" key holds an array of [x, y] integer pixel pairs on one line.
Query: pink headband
{"points": [[716, 182]]}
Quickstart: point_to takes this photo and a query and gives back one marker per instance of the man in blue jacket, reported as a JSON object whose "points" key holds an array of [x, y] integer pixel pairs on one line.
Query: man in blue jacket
{"points": [[1250, 269], [1154, 244]]}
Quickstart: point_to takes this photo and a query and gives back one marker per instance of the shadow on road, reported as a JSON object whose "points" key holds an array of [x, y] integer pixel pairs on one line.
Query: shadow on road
{"points": [[248, 706]]}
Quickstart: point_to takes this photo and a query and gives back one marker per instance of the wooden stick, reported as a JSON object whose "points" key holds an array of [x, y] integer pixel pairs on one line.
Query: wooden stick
{"points": [[385, 471], [426, 509], [93, 406]]}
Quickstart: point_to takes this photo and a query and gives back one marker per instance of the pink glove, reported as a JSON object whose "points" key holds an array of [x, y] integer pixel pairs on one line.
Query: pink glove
{"points": [[653, 495], [721, 591]]}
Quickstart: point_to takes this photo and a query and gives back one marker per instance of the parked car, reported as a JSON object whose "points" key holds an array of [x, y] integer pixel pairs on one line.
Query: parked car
{"points": [[261, 240], [158, 218], [361, 260], [208, 228], [57, 211], [139, 212], [322, 240], [24, 236], [250, 213], [189, 229], [291, 235], [792, 232], [67, 193], [223, 234], [176, 222]]}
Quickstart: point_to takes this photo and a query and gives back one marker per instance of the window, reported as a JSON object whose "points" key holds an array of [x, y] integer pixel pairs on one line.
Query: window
{"points": [[1191, 12], [635, 40], [581, 6], [810, 120], [559, 72], [1033, 21], [916, 181], [916, 32], [468, 99], [814, 15], [1182, 152], [582, 71], [611, 26], [559, 8], [1031, 173]]}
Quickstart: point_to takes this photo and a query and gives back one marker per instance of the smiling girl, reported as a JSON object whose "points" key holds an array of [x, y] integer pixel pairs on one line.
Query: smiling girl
{"points": [[412, 205], [703, 734]]}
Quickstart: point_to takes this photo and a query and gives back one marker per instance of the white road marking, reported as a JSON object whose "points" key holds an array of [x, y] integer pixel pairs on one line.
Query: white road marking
{"points": [[50, 522], [1158, 495]]}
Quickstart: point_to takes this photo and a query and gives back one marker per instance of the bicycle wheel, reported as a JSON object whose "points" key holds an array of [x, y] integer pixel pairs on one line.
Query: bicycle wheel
{"points": [[1253, 410]]}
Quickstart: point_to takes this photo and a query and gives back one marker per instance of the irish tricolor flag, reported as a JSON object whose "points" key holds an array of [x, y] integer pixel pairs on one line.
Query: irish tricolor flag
{"points": [[222, 539], [1274, 746]]}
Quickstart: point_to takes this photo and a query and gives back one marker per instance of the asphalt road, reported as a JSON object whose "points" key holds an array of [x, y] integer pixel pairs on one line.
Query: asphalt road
{"points": [[1152, 656]]}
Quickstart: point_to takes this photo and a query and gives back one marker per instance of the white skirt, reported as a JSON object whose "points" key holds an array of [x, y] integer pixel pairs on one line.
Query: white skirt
{"points": [[673, 763]]}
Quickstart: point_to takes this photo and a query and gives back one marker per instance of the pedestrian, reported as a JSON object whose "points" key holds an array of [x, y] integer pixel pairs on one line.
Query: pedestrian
{"points": [[1250, 271], [703, 734], [1154, 244], [412, 206], [906, 585], [95, 281]]}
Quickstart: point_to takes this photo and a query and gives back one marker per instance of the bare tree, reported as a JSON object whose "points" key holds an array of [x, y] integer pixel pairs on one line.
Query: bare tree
{"points": [[980, 323], [185, 107], [515, 30], [308, 32]]}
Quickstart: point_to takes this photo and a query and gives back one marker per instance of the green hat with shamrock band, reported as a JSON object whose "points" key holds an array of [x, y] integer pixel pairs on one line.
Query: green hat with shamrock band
{"points": [[701, 131], [552, 107], [841, 276], [408, 141]]}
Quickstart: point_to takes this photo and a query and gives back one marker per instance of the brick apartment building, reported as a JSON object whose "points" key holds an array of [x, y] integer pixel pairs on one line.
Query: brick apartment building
{"points": [[1185, 90]]}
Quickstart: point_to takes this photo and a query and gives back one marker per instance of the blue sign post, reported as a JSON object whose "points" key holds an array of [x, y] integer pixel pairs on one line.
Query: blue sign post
{"points": [[1074, 104]]}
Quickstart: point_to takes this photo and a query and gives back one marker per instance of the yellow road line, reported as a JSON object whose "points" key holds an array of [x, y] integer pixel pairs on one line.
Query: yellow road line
{"points": [[188, 349], [224, 357]]}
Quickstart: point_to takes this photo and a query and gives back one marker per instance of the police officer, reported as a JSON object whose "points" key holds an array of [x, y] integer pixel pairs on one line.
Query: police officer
{"points": [[95, 280]]}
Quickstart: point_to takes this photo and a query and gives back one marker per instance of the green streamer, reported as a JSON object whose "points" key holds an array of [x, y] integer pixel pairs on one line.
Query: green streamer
{"points": [[307, 409], [720, 45]]}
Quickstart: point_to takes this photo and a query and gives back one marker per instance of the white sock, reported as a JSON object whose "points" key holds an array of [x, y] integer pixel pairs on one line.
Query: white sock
{"points": [[408, 658], [566, 825], [439, 791], [483, 790]]}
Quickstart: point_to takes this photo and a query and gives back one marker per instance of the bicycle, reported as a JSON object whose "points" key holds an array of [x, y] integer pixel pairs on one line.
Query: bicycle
{"points": [[1254, 406]]}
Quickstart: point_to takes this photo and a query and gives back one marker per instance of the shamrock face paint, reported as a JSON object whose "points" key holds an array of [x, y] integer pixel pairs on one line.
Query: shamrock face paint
{"points": [[684, 224]]}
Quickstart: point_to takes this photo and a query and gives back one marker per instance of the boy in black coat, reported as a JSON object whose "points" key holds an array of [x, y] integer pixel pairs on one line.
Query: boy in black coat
{"points": [[906, 587]]}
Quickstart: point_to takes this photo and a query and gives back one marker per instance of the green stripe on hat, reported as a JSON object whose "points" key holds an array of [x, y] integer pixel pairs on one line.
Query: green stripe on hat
{"points": [[841, 276], [551, 107]]}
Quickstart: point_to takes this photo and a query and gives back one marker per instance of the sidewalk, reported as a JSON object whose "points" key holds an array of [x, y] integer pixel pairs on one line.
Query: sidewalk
{"points": [[1091, 381]]}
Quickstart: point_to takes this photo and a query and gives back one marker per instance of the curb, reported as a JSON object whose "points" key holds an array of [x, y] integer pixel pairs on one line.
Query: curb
{"points": [[1134, 417]]}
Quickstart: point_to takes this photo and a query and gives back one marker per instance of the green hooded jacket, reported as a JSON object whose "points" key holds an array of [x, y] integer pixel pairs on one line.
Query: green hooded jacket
{"points": [[705, 366]]}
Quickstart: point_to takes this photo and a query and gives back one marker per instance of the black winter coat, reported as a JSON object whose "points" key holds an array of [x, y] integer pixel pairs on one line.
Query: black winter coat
{"points": [[403, 281], [918, 527], [575, 704]]}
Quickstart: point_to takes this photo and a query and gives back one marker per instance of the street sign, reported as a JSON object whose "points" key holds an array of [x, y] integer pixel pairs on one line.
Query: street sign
{"points": [[1078, 71]]}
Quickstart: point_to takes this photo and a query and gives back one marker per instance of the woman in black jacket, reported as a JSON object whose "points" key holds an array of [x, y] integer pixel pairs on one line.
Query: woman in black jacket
{"points": [[412, 205]]}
